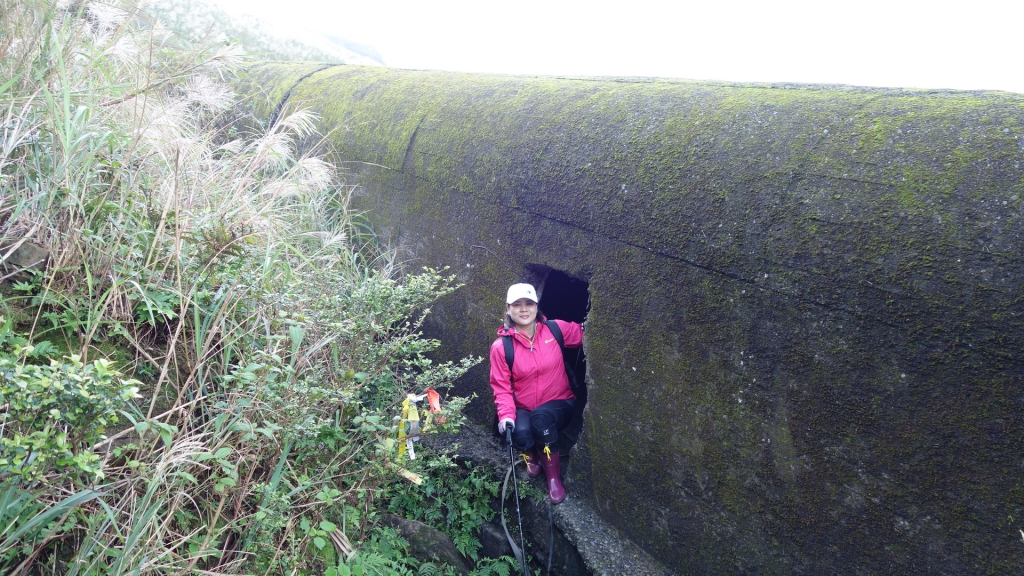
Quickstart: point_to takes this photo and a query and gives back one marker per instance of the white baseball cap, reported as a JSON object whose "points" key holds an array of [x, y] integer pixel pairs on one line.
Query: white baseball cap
{"points": [[517, 291]]}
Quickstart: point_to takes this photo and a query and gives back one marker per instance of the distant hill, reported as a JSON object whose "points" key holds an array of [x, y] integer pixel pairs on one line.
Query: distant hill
{"points": [[361, 49], [197, 19]]}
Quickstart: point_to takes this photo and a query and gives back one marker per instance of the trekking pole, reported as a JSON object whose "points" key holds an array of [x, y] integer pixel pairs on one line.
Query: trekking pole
{"points": [[515, 484]]}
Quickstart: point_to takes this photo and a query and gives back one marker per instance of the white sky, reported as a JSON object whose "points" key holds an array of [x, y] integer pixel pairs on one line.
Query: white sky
{"points": [[962, 44]]}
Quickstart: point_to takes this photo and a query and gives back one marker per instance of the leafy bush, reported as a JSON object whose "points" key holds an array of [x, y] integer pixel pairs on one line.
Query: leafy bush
{"points": [[453, 499], [53, 414]]}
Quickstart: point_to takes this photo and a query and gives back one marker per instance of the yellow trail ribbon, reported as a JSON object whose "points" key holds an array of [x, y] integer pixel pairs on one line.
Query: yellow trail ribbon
{"points": [[411, 414], [414, 428], [401, 429]]}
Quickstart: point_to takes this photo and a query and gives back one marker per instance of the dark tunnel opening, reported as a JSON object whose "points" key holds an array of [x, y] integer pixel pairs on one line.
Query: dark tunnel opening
{"points": [[563, 297]]}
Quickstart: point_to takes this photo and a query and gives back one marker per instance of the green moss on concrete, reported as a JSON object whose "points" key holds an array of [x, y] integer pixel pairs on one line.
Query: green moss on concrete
{"points": [[817, 287]]}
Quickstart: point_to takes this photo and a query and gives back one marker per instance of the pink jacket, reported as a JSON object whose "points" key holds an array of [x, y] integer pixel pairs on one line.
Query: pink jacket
{"points": [[539, 372]]}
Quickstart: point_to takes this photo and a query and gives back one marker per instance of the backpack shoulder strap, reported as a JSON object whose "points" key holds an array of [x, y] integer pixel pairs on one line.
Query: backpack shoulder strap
{"points": [[510, 355], [557, 332]]}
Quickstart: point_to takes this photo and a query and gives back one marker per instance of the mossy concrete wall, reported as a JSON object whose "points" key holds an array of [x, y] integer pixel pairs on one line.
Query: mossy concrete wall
{"points": [[805, 340]]}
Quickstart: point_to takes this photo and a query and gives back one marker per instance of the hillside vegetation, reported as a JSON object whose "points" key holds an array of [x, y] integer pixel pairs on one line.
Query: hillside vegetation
{"points": [[201, 20], [203, 371]]}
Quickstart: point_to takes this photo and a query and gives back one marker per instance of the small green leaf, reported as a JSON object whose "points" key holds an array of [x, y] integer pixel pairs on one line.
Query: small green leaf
{"points": [[328, 526], [319, 542]]}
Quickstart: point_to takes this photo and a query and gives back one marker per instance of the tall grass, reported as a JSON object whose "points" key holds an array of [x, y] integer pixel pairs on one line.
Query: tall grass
{"points": [[270, 343]]}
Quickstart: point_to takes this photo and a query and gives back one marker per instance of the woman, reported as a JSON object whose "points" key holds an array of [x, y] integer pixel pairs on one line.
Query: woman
{"points": [[534, 398]]}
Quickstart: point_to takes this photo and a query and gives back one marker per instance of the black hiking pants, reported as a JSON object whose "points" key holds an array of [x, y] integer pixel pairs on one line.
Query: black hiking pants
{"points": [[541, 426]]}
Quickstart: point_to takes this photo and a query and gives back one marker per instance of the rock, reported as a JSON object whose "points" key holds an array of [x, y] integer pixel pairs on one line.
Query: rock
{"points": [[427, 543], [585, 544], [26, 256], [493, 543]]}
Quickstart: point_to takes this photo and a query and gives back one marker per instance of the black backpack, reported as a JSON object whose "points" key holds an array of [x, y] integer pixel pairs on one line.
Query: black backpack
{"points": [[570, 370]]}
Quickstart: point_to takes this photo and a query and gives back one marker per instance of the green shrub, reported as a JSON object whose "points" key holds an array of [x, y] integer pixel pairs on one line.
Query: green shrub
{"points": [[454, 499], [53, 414]]}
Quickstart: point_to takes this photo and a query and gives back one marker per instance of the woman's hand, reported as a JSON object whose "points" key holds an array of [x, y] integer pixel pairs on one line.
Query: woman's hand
{"points": [[504, 423]]}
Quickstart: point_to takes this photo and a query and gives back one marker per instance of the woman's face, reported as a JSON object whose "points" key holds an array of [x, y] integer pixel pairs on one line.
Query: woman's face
{"points": [[523, 312]]}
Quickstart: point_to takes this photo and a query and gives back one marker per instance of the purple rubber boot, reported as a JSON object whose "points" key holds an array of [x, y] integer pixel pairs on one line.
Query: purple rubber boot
{"points": [[553, 472], [532, 462]]}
